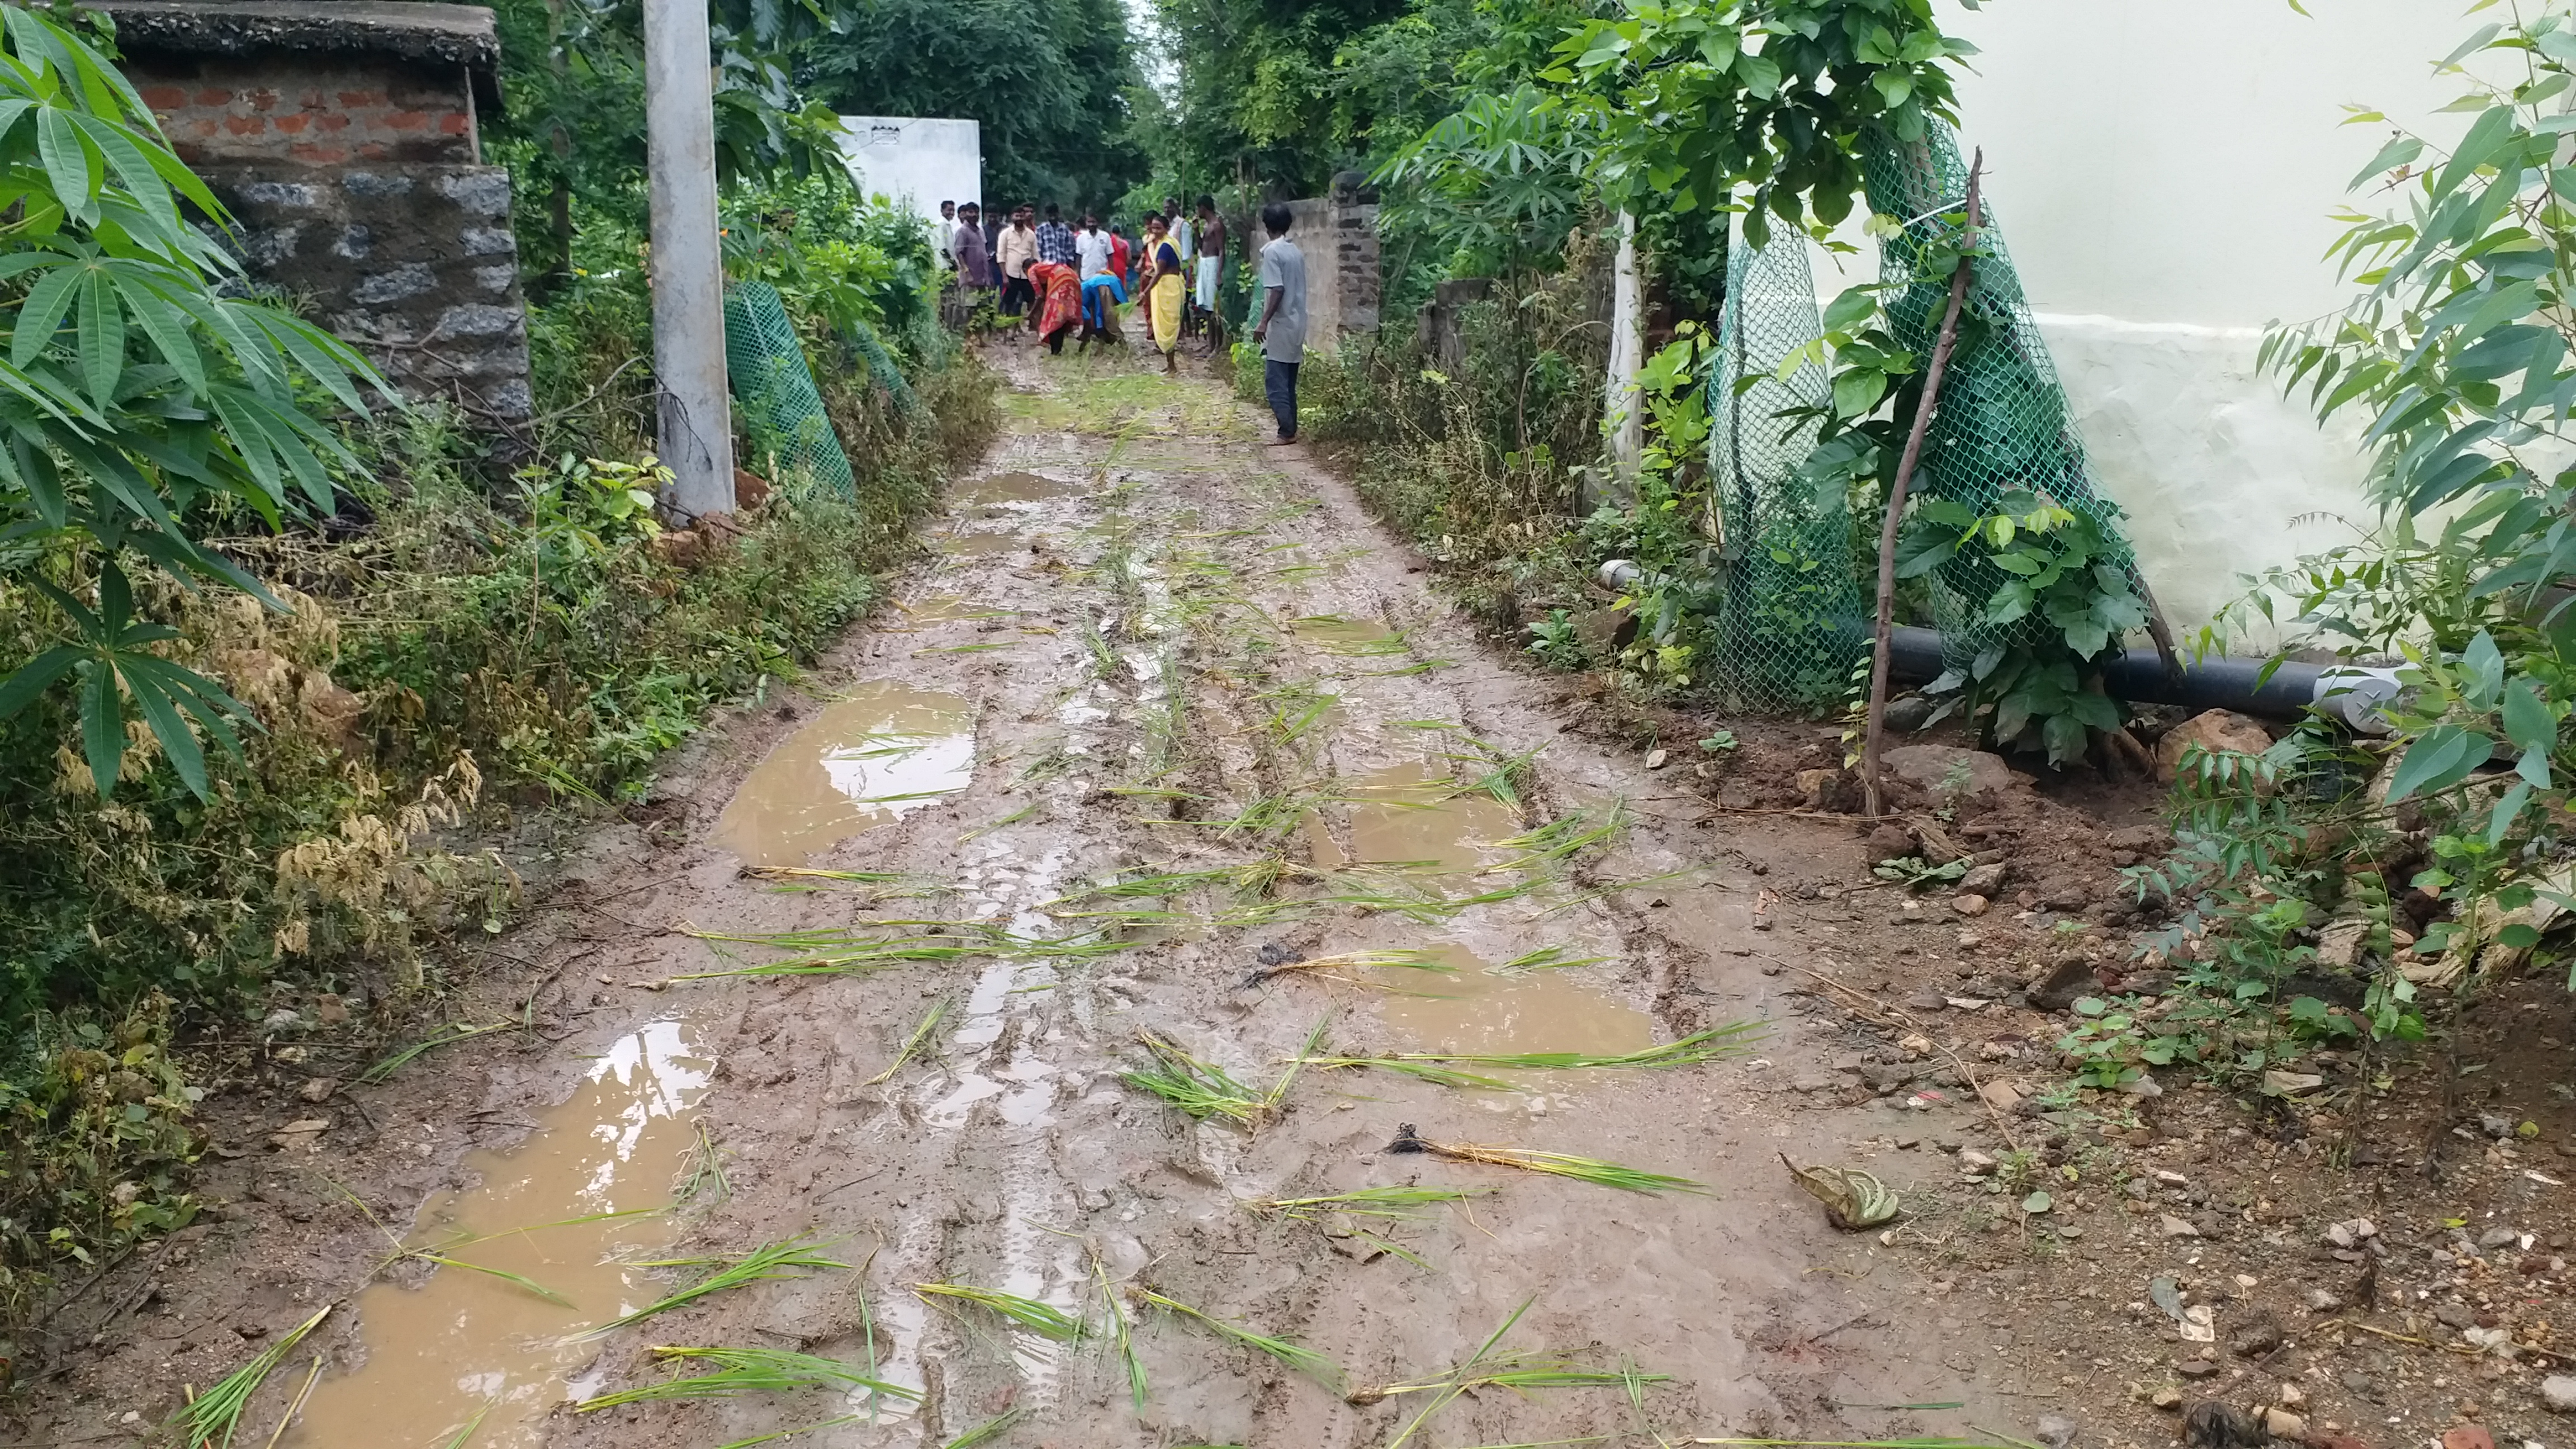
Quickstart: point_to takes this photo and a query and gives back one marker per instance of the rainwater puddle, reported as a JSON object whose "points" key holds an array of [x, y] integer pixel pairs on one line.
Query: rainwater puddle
{"points": [[1481, 1010], [437, 1354], [1401, 818], [865, 761], [994, 495], [979, 545], [949, 609]]}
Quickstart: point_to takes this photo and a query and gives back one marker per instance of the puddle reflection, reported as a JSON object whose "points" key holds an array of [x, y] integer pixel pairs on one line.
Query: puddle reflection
{"points": [[465, 1341], [866, 760]]}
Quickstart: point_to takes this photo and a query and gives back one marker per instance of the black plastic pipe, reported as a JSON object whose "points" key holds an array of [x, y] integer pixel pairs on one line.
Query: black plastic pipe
{"points": [[2216, 681], [2351, 694]]}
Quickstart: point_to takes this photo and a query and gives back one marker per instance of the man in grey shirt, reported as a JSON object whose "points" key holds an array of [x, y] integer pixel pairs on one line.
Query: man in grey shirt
{"points": [[1282, 329]]}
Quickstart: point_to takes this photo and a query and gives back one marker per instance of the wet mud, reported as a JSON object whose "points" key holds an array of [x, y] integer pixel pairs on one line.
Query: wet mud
{"points": [[1227, 727]]}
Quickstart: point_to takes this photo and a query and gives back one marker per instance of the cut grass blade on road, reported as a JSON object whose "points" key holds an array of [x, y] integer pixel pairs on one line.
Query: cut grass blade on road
{"points": [[986, 1432], [770, 1260], [1119, 1337], [466, 1431], [912, 1043], [1341, 963], [1563, 838], [1548, 958], [1203, 1089], [448, 1035], [877, 945], [515, 1280], [1556, 1164], [1716, 1044], [1378, 1202], [807, 872], [1043, 1319], [295, 1405], [1518, 1370], [1295, 1355], [739, 1371], [212, 1418], [439, 1256]]}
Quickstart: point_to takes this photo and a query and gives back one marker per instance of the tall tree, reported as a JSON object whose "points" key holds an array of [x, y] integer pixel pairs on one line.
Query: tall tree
{"points": [[1256, 91], [1048, 84]]}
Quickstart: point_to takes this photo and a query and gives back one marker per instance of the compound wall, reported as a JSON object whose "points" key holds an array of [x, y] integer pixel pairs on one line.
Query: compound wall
{"points": [[2166, 176]]}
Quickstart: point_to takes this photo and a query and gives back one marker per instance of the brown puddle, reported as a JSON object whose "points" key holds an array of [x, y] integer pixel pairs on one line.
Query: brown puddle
{"points": [[467, 1342], [979, 545], [1021, 487], [1478, 1009], [949, 609], [865, 761], [1401, 818]]}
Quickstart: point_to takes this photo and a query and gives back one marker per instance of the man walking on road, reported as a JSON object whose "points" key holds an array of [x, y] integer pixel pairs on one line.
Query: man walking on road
{"points": [[1282, 329]]}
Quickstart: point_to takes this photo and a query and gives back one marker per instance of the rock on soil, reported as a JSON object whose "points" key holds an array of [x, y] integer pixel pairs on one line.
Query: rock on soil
{"points": [[2216, 730], [1948, 770]]}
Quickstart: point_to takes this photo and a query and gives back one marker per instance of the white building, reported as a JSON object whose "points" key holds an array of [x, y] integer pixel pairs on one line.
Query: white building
{"points": [[917, 162], [2166, 176]]}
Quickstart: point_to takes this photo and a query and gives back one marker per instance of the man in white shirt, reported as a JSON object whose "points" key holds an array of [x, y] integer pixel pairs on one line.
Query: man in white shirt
{"points": [[1091, 247], [943, 233], [1282, 330]]}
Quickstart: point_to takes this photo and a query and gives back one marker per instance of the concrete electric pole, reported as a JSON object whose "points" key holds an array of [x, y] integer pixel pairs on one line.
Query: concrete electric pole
{"points": [[696, 426]]}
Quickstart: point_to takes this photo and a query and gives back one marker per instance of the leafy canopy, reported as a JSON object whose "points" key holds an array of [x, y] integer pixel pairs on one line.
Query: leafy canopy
{"points": [[133, 393]]}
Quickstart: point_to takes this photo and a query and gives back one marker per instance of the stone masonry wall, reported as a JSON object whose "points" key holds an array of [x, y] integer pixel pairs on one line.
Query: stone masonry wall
{"points": [[412, 263], [1338, 234], [328, 111]]}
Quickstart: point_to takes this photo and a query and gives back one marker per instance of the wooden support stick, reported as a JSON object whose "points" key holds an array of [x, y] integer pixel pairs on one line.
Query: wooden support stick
{"points": [[1876, 737]]}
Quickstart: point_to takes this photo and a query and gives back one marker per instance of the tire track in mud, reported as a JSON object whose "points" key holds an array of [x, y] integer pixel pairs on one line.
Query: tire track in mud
{"points": [[1184, 655]]}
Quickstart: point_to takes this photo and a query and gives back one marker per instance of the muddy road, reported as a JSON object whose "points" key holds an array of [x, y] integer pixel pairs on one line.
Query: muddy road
{"points": [[1165, 739]]}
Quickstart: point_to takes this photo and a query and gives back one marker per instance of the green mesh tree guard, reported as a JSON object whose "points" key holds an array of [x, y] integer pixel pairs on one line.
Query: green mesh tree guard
{"points": [[2003, 423], [863, 338], [1789, 605], [780, 404]]}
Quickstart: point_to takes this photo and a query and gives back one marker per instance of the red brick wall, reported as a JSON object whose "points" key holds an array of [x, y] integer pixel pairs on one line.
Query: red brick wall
{"points": [[218, 112]]}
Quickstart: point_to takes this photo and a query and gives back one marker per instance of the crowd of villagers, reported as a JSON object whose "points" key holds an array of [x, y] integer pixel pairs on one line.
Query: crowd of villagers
{"points": [[1061, 281]]}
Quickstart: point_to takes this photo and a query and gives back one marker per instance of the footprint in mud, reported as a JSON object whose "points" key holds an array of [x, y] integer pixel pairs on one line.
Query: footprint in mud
{"points": [[868, 759]]}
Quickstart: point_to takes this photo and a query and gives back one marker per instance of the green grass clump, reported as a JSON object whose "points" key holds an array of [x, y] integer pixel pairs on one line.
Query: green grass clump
{"points": [[210, 1420], [770, 1260], [739, 1371], [1555, 1164], [1043, 1319], [1202, 1089], [1296, 1356]]}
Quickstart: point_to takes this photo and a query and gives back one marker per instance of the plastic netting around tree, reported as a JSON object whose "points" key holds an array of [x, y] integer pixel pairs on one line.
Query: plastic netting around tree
{"points": [[780, 404], [881, 366], [1789, 607], [2003, 423]]}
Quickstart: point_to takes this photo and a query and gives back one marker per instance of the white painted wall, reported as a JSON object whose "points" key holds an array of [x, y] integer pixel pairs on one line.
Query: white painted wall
{"points": [[2165, 176], [916, 161]]}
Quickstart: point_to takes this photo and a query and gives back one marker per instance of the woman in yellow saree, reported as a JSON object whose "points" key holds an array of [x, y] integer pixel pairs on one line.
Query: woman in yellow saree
{"points": [[1165, 291]]}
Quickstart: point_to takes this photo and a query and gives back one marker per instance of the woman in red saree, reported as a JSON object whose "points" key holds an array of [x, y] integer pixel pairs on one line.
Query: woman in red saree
{"points": [[1061, 286]]}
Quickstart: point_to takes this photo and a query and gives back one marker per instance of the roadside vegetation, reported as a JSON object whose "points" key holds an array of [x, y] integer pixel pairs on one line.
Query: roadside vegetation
{"points": [[280, 674], [2335, 892]]}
